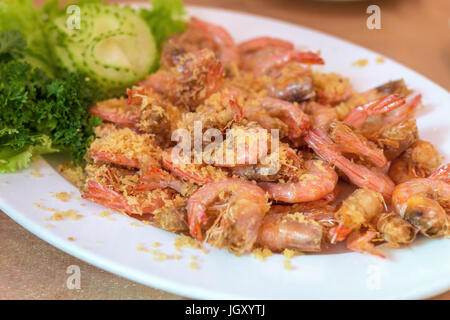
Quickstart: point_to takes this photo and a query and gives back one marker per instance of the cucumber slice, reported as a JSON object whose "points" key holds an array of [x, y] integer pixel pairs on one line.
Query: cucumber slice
{"points": [[114, 44]]}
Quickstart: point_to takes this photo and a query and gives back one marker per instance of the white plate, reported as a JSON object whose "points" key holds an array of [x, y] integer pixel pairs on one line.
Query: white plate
{"points": [[421, 271]]}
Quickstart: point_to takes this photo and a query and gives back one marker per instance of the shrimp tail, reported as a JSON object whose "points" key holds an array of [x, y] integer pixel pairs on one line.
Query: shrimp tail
{"points": [[358, 116], [357, 174], [362, 243]]}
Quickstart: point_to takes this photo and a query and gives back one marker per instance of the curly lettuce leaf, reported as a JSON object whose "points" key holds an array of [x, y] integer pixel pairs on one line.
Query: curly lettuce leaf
{"points": [[165, 18], [23, 16], [12, 45], [33, 105], [12, 160]]}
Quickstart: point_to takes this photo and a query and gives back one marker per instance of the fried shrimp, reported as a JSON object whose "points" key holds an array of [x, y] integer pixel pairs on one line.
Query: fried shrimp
{"points": [[117, 111], [281, 59], [394, 229], [418, 161], [290, 231], [199, 35], [227, 213], [442, 173], [395, 139], [114, 188], [331, 88], [425, 203], [358, 174], [353, 142], [126, 148], [252, 146], [296, 122], [143, 111], [318, 181], [358, 116], [255, 50], [357, 211], [194, 78]]}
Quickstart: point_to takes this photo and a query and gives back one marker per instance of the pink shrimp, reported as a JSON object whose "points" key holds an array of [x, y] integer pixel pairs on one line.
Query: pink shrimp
{"points": [[228, 52], [156, 178], [105, 185], [418, 161], [134, 150], [354, 142], [295, 119], [197, 75], [362, 242], [197, 173], [239, 218], [425, 203], [294, 231], [144, 111], [404, 112], [278, 60], [264, 42], [442, 173], [323, 116], [318, 181], [356, 212], [253, 51], [394, 229], [117, 111], [359, 175], [358, 116]]}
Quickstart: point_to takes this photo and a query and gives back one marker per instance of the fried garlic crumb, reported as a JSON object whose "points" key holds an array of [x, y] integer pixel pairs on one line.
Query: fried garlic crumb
{"points": [[105, 214], [156, 244], [193, 265], [360, 63], [73, 173], [41, 207], [140, 247], [48, 225], [35, 173], [158, 255], [379, 60], [60, 215], [188, 242], [288, 253], [287, 264], [262, 253], [134, 224], [71, 238], [63, 196]]}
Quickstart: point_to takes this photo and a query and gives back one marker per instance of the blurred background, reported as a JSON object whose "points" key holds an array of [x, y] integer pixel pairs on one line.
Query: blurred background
{"points": [[413, 32]]}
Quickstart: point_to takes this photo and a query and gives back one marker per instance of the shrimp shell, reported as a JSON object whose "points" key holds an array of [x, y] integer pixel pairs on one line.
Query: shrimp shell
{"points": [[290, 231], [425, 203]]}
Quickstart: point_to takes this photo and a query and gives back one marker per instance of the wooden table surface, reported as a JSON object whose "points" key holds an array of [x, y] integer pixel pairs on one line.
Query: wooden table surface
{"points": [[414, 32]]}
